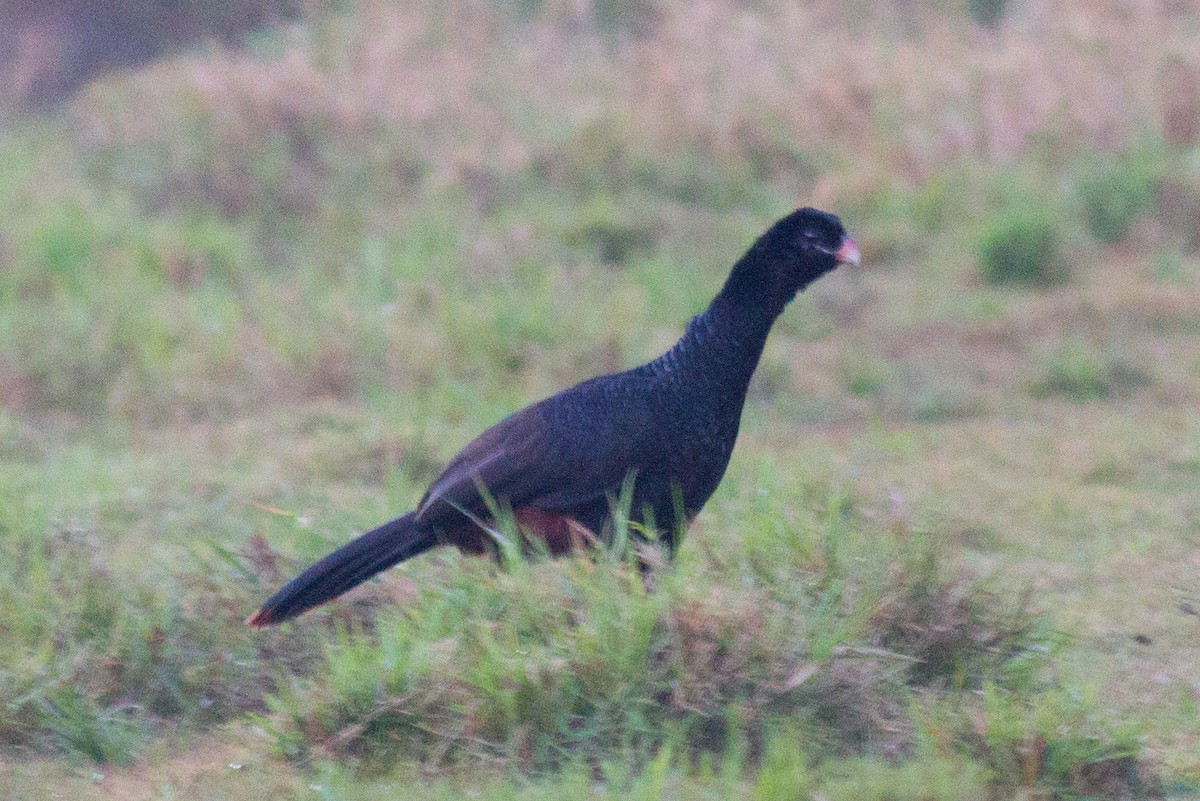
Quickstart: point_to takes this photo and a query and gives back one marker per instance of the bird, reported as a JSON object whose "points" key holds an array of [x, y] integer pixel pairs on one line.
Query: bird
{"points": [[666, 428]]}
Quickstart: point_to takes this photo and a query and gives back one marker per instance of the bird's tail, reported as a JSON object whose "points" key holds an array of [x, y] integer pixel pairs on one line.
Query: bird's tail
{"points": [[347, 567]]}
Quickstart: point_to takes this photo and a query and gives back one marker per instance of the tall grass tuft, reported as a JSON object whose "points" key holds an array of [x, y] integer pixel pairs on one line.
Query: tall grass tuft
{"points": [[1023, 245], [573, 662], [1117, 190]]}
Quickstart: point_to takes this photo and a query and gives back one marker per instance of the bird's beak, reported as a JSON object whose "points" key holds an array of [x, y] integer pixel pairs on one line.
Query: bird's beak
{"points": [[848, 252]]}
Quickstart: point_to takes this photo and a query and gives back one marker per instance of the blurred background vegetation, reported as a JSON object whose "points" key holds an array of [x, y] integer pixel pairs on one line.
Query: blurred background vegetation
{"points": [[264, 266]]}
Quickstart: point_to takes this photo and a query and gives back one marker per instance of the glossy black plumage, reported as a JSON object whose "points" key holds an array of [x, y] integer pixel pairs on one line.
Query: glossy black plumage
{"points": [[558, 463]]}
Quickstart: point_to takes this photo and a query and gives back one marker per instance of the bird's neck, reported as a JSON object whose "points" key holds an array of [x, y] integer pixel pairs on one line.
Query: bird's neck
{"points": [[725, 342]]}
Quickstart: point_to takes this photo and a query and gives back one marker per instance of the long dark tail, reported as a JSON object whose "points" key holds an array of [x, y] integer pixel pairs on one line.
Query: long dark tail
{"points": [[347, 567]]}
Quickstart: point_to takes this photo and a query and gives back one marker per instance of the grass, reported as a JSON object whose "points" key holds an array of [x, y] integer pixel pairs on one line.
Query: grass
{"points": [[250, 303], [1023, 246]]}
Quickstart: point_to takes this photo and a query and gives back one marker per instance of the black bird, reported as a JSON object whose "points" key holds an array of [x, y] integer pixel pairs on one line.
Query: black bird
{"points": [[669, 424]]}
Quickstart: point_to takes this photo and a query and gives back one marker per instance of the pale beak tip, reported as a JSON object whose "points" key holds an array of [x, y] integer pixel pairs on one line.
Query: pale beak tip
{"points": [[848, 252]]}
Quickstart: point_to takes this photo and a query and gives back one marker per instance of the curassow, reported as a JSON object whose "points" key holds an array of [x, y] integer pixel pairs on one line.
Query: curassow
{"points": [[558, 464]]}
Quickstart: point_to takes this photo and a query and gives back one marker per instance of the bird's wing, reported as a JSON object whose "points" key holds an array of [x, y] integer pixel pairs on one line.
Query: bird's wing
{"points": [[570, 449]]}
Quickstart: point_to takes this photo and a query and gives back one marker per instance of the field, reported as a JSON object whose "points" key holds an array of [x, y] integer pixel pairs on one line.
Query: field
{"points": [[251, 301]]}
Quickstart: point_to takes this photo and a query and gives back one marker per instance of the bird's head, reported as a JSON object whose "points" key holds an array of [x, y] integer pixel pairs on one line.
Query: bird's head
{"points": [[810, 243], [793, 253]]}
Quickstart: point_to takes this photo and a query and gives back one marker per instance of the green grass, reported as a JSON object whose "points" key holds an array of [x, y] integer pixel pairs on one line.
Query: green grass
{"points": [[242, 318], [1024, 245]]}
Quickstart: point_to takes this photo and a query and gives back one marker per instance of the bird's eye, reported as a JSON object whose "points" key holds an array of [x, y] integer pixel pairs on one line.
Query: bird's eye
{"points": [[813, 239]]}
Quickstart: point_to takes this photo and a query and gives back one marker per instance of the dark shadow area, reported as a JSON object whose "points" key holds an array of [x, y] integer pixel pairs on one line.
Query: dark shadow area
{"points": [[49, 48]]}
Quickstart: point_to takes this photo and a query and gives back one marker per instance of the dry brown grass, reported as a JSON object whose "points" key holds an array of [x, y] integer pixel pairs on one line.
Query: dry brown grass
{"points": [[467, 94], [231, 766]]}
